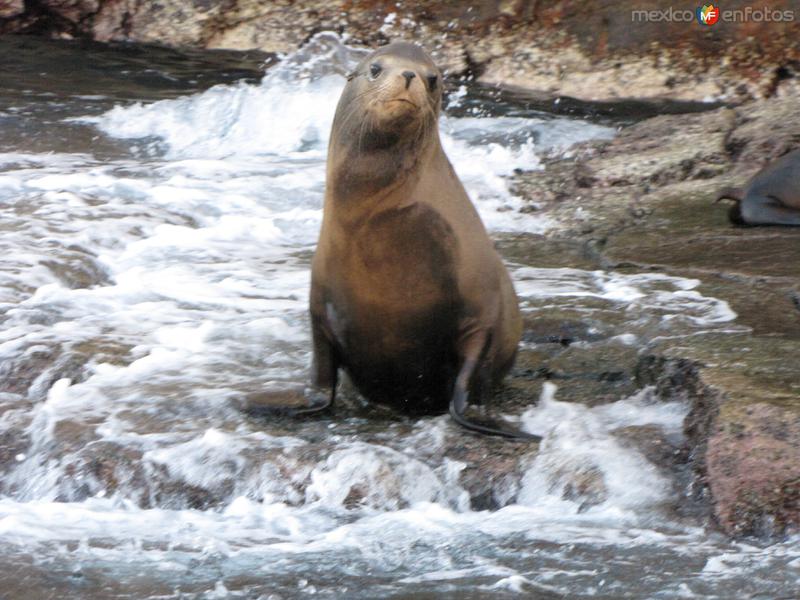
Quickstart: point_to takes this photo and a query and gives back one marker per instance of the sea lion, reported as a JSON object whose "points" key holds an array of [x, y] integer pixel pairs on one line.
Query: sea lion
{"points": [[408, 294], [771, 197]]}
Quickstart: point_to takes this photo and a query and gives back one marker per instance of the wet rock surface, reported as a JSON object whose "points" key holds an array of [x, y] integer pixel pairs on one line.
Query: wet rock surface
{"points": [[646, 201], [589, 50]]}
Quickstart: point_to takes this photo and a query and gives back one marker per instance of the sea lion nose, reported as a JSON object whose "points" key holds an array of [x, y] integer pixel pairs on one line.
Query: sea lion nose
{"points": [[409, 75]]}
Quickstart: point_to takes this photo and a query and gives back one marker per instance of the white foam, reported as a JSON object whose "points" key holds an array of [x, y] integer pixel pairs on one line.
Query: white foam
{"points": [[513, 583], [378, 477], [290, 114], [664, 298], [580, 461], [204, 243]]}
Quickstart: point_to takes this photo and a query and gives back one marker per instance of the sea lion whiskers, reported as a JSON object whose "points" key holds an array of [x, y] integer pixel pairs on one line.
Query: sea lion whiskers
{"points": [[354, 107], [427, 120], [368, 124]]}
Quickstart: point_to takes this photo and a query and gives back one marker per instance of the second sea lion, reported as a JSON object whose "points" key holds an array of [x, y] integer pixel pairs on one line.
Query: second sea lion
{"points": [[771, 197]]}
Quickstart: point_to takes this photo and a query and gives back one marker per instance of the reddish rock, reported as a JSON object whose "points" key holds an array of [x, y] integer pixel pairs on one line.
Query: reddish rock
{"points": [[11, 8], [753, 470]]}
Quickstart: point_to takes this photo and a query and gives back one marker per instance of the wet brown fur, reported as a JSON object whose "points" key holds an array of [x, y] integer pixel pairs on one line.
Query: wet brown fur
{"points": [[408, 293]]}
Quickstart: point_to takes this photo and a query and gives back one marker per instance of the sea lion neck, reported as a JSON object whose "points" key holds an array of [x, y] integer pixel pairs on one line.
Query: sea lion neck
{"points": [[386, 123], [355, 173]]}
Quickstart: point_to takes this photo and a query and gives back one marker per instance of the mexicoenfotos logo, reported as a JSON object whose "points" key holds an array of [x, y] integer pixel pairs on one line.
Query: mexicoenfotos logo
{"points": [[708, 14]]}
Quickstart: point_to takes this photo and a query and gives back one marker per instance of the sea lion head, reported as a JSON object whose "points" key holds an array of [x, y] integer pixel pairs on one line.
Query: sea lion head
{"points": [[393, 96]]}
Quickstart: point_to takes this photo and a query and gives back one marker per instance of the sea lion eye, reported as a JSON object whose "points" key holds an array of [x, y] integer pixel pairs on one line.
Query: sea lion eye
{"points": [[432, 81], [375, 69]]}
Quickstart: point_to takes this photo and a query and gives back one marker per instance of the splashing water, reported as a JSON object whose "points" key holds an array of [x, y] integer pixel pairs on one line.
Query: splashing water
{"points": [[156, 269]]}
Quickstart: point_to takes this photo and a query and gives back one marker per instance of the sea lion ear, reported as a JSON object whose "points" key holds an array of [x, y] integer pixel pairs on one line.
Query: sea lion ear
{"points": [[351, 75]]}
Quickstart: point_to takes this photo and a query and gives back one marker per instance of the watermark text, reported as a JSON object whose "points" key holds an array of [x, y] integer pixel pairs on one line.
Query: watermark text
{"points": [[747, 14]]}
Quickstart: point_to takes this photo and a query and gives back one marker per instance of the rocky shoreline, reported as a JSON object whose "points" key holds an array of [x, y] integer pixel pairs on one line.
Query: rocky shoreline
{"points": [[646, 200], [589, 50]]}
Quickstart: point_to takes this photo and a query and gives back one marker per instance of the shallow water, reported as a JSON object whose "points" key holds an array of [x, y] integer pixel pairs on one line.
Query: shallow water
{"points": [[156, 238]]}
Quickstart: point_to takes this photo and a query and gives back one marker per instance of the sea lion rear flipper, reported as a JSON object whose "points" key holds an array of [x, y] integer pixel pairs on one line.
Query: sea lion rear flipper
{"points": [[768, 210], [458, 405], [730, 193], [474, 374]]}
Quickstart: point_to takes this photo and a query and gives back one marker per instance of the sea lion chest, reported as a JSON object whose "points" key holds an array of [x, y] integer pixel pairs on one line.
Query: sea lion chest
{"points": [[394, 277], [393, 304]]}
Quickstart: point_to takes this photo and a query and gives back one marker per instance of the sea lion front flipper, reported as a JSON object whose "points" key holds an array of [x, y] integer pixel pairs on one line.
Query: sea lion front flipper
{"points": [[768, 210], [322, 391], [319, 400], [474, 373], [319, 395], [324, 372]]}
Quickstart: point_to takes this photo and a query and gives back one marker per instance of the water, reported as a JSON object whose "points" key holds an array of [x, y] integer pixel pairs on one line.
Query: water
{"points": [[156, 241]]}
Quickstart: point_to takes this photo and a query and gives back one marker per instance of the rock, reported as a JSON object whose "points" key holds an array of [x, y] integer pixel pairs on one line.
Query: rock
{"points": [[743, 429], [585, 486], [178, 23], [654, 445], [751, 144], [74, 10], [77, 268], [556, 331], [105, 468], [15, 438], [493, 470], [592, 50], [11, 9], [35, 367], [649, 194], [666, 163], [753, 467]]}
